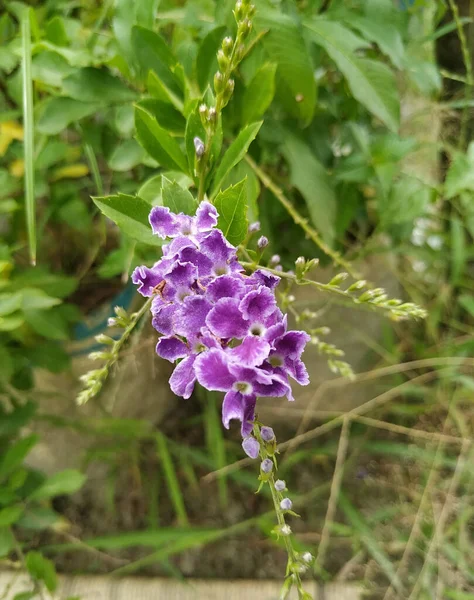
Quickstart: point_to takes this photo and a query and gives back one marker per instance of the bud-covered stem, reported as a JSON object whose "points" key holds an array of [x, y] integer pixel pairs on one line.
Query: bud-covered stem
{"points": [[229, 57], [94, 380], [296, 563]]}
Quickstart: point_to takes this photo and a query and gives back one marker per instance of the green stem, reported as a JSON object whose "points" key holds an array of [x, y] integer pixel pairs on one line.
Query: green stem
{"points": [[299, 220]]}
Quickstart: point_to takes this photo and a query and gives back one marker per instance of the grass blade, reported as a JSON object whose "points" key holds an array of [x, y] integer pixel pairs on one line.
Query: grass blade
{"points": [[215, 442], [28, 127], [364, 532], [171, 479]]}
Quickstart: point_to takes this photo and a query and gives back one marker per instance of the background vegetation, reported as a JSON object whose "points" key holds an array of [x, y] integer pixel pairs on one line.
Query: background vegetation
{"points": [[365, 145]]}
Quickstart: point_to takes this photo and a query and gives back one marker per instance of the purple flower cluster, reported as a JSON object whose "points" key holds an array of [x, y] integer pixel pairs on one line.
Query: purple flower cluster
{"points": [[223, 326]]}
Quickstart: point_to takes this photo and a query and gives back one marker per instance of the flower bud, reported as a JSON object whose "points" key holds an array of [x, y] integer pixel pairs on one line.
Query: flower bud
{"points": [[104, 339], [112, 322], [262, 242], [280, 485], [267, 434], [227, 45], [212, 114], [238, 11], [286, 504], [199, 147], [307, 557], [222, 60], [245, 27], [219, 82], [266, 466], [254, 227], [275, 260], [285, 530], [251, 447]]}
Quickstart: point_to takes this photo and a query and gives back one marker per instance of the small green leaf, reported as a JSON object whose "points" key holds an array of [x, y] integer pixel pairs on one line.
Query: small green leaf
{"points": [[38, 518], [96, 85], [48, 323], [372, 83], [231, 204], [130, 213], [9, 303], [234, 154], [176, 198], [171, 478], [60, 112], [10, 515], [125, 156], [6, 541], [15, 454], [460, 176], [65, 482], [259, 94], [34, 299], [42, 569], [165, 114], [388, 39], [159, 144], [467, 302], [309, 176], [285, 45], [206, 60]]}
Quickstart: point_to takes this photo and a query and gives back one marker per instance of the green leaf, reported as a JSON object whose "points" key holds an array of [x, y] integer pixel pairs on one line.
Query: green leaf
{"points": [[176, 198], [96, 85], [374, 29], [34, 299], [48, 323], [159, 144], [153, 53], [50, 68], [65, 482], [171, 478], [460, 176], [11, 322], [231, 204], [6, 365], [130, 213], [244, 171], [165, 114], [408, 200], [49, 355], [259, 93], [285, 45], [15, 454], [59, 286], [60, 112], [467, 302], [41, 569], [9, 303], [10, 515], [309, 176], [38, 518], [125, 156], [206, 60], [234, 154], [371, 82], [364, 532], [6, 541]]}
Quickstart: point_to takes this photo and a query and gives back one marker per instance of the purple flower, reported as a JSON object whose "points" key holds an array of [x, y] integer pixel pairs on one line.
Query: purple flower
{"points": [[219, 326], [251, 447], [262, 242]]}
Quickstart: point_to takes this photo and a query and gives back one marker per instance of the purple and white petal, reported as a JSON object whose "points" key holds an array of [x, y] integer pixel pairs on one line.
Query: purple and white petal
{"points": [[146, 279], [232, 408], [292, 344], [258, 304], [183, 378], [163, 222], [225, 286], [251, 352], [206, 216], [248, 417], [171, 348], [265, 278], [212, 371], [182, 275], [225, 319], [191, 315], [163, 319]]}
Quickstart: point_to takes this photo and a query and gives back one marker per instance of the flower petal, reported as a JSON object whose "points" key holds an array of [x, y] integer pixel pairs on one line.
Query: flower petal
{"points": [[258, 304], [212, 371], [183, 377], [146, 279], [225, 319], [251, 352], [191, 316], [171, 348], [206, 216], [225, 286], [163, 319], [291, 344], [163, 222], [249, 415], [265, 278]]}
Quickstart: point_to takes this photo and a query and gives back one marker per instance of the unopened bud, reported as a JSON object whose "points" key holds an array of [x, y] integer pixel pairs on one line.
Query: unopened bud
{"points": [[262, 242], [218, 82], [307, 557], [286, 504], [245, 26], [112, 322], [251, 447], [222, 60], [227, 45], [104, 339], [212, 114], [285, 530], [254, 227], [267, 434], [275, 260], [266, 466], [199, 147], [280, 485]]}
